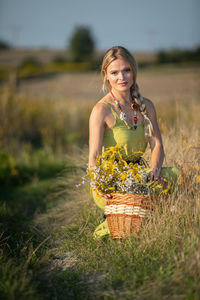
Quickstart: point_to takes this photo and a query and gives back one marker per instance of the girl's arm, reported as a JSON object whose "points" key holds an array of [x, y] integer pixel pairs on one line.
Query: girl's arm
{"points": [[156, 145], [97, 127]]}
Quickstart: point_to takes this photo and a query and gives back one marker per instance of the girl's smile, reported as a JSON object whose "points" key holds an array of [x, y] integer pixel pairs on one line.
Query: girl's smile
{"points": [[119, 75]]}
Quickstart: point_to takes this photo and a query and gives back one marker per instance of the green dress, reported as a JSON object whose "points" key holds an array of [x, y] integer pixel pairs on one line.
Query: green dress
{"points": [[134, 145]]}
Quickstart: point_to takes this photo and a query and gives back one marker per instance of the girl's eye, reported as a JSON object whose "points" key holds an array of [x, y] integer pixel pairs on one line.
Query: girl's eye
{"points": [[114, 72], [127, 70]]}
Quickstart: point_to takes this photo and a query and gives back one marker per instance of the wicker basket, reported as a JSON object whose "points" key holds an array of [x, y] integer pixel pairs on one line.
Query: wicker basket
{"points": [[126, 212]]}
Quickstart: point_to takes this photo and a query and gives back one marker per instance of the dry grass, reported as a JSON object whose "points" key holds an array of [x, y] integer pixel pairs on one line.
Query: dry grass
{"points": [[163, 262], [160, 85]]}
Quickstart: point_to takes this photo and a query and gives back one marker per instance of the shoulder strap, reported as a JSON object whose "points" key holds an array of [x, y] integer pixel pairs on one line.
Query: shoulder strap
{"points": [[110, 106]]}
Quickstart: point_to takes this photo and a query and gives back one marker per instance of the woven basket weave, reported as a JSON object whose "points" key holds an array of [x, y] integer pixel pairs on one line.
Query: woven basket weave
{"points": [[125, 213]]}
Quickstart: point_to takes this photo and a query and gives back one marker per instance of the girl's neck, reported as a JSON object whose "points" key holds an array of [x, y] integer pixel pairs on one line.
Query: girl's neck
{"points": [[122, 97]]}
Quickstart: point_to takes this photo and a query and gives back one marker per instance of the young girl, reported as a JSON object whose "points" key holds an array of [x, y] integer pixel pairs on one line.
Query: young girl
{"points": [[123, 116]]}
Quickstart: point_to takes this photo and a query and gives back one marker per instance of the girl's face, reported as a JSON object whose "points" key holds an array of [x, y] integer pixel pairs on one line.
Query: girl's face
{"points": [[119, 75]]}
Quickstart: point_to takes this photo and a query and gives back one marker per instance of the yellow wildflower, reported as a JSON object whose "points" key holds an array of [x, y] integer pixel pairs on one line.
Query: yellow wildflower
{"points": [[198, 178]]}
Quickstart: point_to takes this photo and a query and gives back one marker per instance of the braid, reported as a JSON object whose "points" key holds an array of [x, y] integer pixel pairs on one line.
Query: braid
{"points": [[148, 128]]}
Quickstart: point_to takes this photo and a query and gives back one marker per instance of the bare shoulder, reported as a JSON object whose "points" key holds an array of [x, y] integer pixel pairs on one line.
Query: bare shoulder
{"points": [[100, 108], [100, 111]]}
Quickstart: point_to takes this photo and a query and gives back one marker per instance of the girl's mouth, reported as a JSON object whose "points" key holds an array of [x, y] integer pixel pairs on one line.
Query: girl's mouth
{"points": [[123, 83]]}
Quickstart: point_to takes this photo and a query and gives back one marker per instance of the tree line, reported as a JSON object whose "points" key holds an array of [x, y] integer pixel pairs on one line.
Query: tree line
{"points": [[82, 48]]}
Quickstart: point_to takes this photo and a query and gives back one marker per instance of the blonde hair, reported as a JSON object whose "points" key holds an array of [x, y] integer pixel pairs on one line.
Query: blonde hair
{"points": [[121, 52]]}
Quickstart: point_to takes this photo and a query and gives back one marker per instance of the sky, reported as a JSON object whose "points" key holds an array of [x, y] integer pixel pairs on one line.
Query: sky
{"points": [[140, 25]]}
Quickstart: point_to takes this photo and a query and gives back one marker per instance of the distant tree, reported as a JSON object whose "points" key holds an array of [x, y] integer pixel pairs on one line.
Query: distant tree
{"points": [[4, 45], [82, 44]]}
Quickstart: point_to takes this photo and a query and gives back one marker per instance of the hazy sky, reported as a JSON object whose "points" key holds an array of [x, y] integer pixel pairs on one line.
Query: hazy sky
{"points": [[135, 24]]}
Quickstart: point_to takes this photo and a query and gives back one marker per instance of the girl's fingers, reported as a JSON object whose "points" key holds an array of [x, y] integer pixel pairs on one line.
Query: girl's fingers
{"points": [[150, 176], [107, 196], [153, 176]]}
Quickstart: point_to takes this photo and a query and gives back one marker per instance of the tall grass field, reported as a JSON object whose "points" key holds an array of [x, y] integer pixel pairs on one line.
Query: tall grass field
{"points": [[47, 250]]}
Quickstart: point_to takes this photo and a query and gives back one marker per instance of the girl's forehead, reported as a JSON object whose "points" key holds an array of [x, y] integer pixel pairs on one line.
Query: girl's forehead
{"points": [[118, 64]]}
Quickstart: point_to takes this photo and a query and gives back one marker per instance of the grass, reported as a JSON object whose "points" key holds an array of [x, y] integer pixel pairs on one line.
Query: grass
{"points": [[23, 246], [161, 263], [46, 246]]}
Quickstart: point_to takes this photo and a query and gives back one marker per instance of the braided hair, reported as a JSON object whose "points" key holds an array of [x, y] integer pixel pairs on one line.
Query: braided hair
{"points": [[121, 52], [135, 93]]}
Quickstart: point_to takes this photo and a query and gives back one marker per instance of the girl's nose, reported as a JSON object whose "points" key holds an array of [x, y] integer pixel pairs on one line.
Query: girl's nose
{"points": [[121, 75]]}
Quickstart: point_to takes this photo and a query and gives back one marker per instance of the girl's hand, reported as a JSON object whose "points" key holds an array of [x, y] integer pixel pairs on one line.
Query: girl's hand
{"points": [[107, 196], [154, 175]]}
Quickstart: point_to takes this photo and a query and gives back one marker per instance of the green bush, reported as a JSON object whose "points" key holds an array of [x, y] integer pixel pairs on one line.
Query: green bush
{"points": [[36, 164], [4, 74], [30, 61], [177, 56], [8, 169], [33, 71]]}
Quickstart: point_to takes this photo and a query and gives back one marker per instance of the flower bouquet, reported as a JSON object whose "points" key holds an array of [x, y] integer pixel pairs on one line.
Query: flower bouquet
{"points": [[133, 197]]}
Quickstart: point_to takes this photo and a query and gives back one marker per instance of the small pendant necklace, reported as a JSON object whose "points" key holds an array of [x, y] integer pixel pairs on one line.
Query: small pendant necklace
{"points": [[123, 117]]}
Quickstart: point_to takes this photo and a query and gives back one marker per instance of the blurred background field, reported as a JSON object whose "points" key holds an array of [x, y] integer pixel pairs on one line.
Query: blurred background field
{"points": [[53, 113], [50, 60]]}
